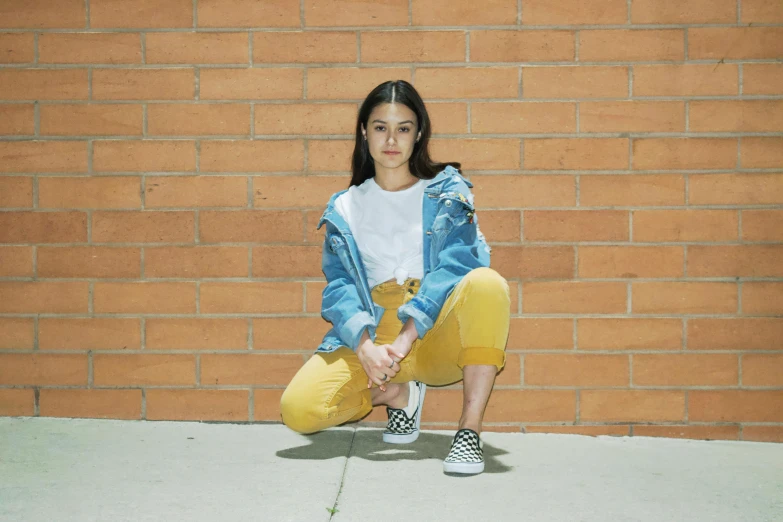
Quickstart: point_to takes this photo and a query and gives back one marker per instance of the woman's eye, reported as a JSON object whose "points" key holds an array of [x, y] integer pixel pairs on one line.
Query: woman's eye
{"points": [[405, 129], [380, 128]]}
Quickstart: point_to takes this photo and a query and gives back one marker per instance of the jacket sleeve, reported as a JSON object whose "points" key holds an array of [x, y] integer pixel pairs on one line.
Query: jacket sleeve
{"points": [[341, 304]]}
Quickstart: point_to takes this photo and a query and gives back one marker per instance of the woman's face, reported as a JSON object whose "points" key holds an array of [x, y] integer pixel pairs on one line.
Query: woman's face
{"points": [[391, 133]]}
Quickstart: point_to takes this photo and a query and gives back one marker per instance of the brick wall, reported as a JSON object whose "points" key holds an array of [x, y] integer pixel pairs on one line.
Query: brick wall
{"points": [[163, 166]]}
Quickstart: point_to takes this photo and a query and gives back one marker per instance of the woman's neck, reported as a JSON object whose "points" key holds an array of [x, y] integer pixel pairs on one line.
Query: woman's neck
{"points": [[394, 180]]}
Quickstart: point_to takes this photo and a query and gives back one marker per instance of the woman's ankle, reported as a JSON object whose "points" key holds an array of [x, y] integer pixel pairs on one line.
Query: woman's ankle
{"points": [[395, 396]]}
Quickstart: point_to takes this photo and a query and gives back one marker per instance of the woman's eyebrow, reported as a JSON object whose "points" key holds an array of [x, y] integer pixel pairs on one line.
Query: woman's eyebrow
{"points": [[381, 121]]}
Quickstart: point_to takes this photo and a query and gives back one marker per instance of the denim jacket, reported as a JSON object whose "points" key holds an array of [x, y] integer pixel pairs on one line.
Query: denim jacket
{"points": [[453, 246]]}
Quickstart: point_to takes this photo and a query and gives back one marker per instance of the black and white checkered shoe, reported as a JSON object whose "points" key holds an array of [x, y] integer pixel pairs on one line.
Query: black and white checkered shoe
{"points": [[401, 428], [466, 455]]}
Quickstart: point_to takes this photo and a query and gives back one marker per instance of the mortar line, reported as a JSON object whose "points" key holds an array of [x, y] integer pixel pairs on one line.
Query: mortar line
{"points": [[342, 478], [628, 7], [36, 402], [197, 82], [687, 115], [301, 14], [36, 345], [195, 14], [198, 370], [467, 46], [35, 191], [250, 334], [143, 38], [144, 126], [519, 12], [250, 48], [90, 370], [252, 120], [739, 12], [89, 83], [37, 119], [87, 13], [577, 41], [250, 192], [89, 227], [410, 12], [143, 335], [251, 405], [35, 265], [142, 276], [144, 404], [741, 79], [35, 48]]}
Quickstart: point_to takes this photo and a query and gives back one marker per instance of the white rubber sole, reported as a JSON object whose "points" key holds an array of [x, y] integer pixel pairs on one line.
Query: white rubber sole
{"points": [[407, 438], [465, 468]]}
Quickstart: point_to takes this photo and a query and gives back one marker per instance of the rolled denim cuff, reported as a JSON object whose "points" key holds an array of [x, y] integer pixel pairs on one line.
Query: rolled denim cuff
{"points": [[351, 331], [423, 311]]}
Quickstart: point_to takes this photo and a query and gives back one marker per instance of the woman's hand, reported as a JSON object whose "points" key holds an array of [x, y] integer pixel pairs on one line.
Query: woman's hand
{"points": [[379, 361]]}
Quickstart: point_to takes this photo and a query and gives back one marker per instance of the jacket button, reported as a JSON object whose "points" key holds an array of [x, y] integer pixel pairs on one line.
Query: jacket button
{"points": [[448, 202]]}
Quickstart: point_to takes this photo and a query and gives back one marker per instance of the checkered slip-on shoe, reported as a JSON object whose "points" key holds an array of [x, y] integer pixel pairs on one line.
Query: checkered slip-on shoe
{"points": [[466, 455], [402, 429]]}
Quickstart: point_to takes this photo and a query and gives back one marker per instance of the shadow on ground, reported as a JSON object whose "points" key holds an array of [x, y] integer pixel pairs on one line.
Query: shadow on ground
{"points": [[368, 444]]}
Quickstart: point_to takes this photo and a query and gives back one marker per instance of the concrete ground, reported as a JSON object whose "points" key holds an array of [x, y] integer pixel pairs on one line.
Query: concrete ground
{"points": [[104, 470]]}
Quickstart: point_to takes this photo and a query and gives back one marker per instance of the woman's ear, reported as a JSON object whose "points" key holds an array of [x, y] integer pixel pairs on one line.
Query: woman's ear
{"points": [[364, 132]]}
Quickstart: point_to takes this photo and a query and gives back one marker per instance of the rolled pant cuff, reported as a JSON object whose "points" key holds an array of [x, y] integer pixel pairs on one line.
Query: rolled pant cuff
{"points": [[482, 355]]}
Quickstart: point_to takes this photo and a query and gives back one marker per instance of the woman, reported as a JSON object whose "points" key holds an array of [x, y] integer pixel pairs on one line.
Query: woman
{"points": [[409, 292]]}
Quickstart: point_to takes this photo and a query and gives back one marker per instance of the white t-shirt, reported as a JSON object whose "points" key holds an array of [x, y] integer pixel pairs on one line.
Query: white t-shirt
{"points": [[387, 227]]}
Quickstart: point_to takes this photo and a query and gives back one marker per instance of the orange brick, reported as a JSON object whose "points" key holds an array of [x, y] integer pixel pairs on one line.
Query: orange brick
{"points": [[735, 334], [591, 431], [17, 48], [89, 48], [196, 334], [143, 227], [522, 46], [762, 369], [304, 47], [762, 298], [540, 334], [145, 298], [195, 191], [523, 406], [449, 12], [287, 261], [267, 405], [511, 372], [87, 261], [736, 116], [323, 13], [631, 261], [576, 370], [629, 334], [541, 12], [761, 153], [17, 333], [40, 14], [581, 82], [635, 190], [413, 46], [522, 117], [478, 154], [43, 156], [763, 433], [43, 369], [198, 119], [500, 225], [531, 262], [141, 13], [329, 155], [447, 117], [333, 118], [524, 191], [685, 370], [683, 12], [251, 84], [688, 432], [250, 298], [39, 85], [626, 45], [43, 227], [312, 233], [43, 298], [288, 333], [574, 297], [735, 261], [246, 156], [576, 153], [91, 120], [631, 406], [143, 84], [102, 404], [762, 78], [735, 406], [684, 153], [314, 292], [762, 11], [709, 43], [196, 262], [16, 261], [248, 13], [16, 192], [684, 298], [141, 156], [350, 83], [569, 225], [449, 83], [17, 403], [89, 192], [685, 225], [144, 370], [88, 334], [735, 189], [201, 405], [251, 226], [17, 119], [632, 116], [762, 225], [685, 80], [249, 369], [197, 48]]}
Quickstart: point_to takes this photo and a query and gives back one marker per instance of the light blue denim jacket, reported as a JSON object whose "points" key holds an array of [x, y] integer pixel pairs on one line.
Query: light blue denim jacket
{"points": [[453, 246]]}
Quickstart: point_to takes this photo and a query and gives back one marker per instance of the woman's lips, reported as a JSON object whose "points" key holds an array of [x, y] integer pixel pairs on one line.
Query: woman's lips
{"points": [[390, 152]]}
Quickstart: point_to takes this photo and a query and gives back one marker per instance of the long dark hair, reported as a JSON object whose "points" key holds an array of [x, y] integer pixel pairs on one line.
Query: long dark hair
{"points": [[420, 163]]}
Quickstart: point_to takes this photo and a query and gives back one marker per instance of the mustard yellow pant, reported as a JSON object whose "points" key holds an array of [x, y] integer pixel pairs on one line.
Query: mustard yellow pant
{"points": [[472, 328]]}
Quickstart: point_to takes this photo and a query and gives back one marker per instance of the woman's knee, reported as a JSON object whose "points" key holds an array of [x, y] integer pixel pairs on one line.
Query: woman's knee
{"points": [[487, 281], [299, 411]]}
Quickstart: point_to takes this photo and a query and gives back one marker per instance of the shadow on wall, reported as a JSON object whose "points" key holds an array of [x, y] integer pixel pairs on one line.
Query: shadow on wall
{"points": [[367, 444]]}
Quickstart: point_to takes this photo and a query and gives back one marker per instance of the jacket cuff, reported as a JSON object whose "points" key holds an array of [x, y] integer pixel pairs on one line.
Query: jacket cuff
{"points": [[351, 331], [422, 310]]}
